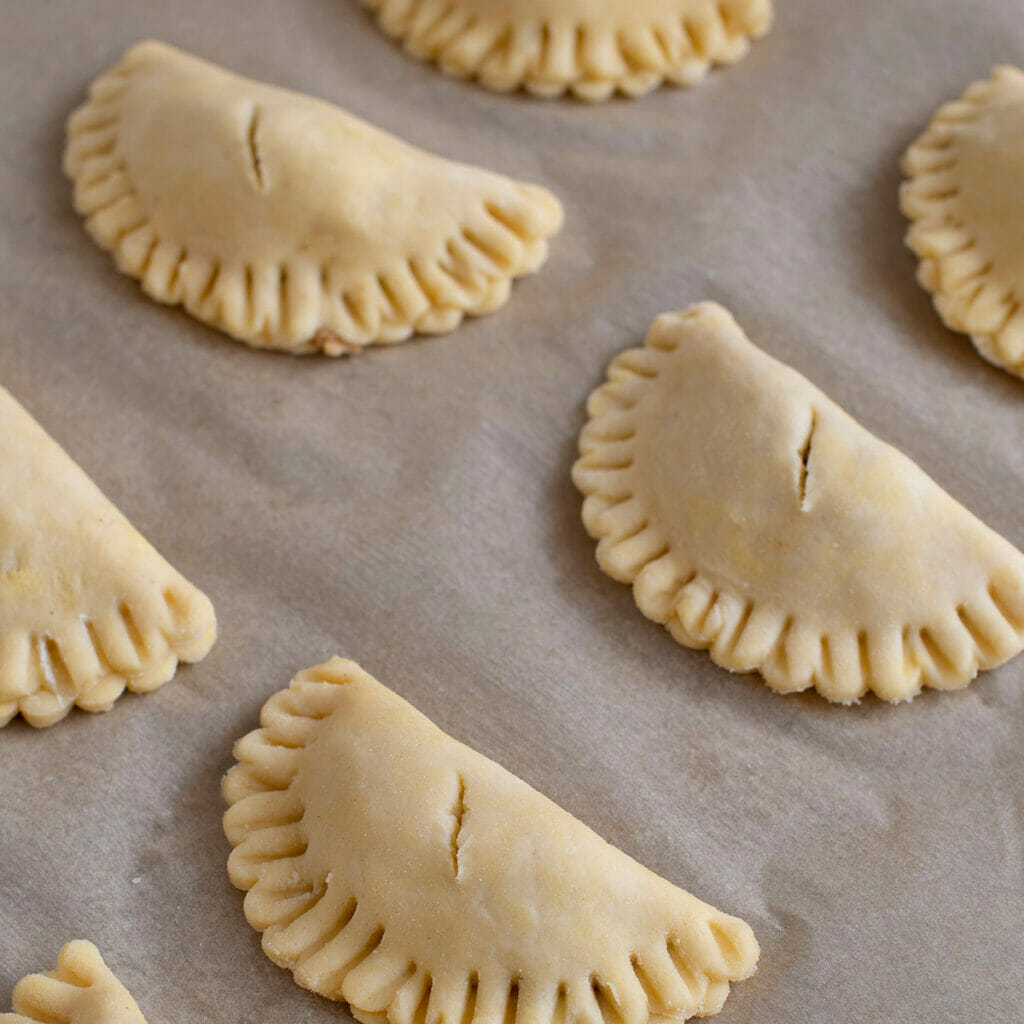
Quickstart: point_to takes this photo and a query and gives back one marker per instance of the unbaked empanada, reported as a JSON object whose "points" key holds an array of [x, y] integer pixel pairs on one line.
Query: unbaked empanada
{"points": [[754, 517], [81, 991], [285, 221], [591, 47], [392, 867], [87, 606], [965, 196]]}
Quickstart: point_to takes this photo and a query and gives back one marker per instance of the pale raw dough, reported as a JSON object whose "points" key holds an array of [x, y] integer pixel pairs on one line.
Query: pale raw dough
{"points": [[87, 606], [285, 221], [81, 991], [392, 867], [589, 47], [965, 197], [754, 517]]}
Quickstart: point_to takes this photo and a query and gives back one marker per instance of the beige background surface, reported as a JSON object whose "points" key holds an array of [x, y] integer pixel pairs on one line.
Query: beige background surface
{"points": [[411, 508]]}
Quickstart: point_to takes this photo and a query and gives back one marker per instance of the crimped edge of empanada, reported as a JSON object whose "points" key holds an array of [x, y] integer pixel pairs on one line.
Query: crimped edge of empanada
{"points": [[88, 660], [953, 268], [69, 993], [591, 61], [982, 631], [295, 304], [264, 825]]}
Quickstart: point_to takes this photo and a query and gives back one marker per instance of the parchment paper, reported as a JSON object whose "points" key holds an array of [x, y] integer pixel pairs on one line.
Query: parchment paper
{"points": [[411, 508]]}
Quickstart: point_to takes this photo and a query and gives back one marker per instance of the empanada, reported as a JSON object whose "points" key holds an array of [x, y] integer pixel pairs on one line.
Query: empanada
{"points": [[87, 606], [81, 991], [392, 867], [754, 517], [965, 197], [590, 47], [285, 221]]}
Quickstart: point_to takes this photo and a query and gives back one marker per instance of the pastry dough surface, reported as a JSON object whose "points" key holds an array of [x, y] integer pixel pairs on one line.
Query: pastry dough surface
{"points": [[392, 867], [285, 221], [754, 517], [589, 47], [87, 606], [965, 198], [82, 990]]}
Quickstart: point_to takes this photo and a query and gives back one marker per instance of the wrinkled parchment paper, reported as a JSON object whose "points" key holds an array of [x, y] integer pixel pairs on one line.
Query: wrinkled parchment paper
{"points": [[411, 508]]}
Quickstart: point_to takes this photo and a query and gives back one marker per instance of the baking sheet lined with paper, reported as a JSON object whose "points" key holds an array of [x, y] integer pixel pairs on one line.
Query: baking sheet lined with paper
{"points": [[411, 508]]}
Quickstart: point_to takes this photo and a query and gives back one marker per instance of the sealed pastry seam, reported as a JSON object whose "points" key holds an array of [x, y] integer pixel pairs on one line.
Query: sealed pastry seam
{"points": [[757, 520], [588, 47], [82, 990], [87, 606], [390, 866], [963, 197], [285, 221]]}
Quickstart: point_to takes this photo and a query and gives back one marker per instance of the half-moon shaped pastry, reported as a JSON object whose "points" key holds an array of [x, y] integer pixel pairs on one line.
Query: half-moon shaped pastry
{"points": [[754, 517], [965, 198], [285, 221], [87, 606], [81, 991], [392, 867], [589, 47]]}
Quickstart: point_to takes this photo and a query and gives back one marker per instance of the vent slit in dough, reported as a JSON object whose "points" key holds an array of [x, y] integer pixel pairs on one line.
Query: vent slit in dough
{"points": [[805, 460], [755, 518], [285, 221], [254, 153], [458, 813], [87, 606], [434, 886], [588, 47], [966, 204], [82, 990]]}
